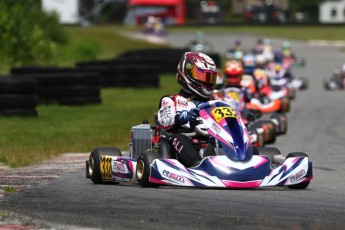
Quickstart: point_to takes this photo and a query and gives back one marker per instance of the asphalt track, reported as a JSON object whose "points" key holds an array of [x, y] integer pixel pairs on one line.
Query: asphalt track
{"points": [[316, 127]]}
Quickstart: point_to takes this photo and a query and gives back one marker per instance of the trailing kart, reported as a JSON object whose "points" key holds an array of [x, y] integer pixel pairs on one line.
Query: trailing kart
{"points": [[334, 82], [266, 105], [229, 159]]}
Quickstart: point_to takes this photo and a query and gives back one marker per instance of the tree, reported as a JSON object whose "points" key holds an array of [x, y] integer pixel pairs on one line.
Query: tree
{"points": [[28, 35]]}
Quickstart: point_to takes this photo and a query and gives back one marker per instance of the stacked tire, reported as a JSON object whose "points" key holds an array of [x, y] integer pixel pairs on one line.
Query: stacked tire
{"points": [[166, 59], [18, 97], [64, 87], [115, 73]]}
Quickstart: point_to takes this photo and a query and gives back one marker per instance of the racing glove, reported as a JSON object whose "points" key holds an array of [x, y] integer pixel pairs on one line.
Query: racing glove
{"points": [[185, 116]]}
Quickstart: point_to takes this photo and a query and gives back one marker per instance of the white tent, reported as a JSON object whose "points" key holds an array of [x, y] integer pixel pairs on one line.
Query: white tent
{"points": [[68, 10], [332, 12]]}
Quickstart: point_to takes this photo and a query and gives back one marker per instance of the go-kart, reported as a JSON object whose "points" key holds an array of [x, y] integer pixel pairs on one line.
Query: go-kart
{"points": [[253, 119], [230, 161], [334, 82], [266, 105]]}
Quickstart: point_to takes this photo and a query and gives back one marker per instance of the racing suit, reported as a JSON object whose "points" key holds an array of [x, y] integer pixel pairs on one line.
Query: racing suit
{"points": [[171, 115]]}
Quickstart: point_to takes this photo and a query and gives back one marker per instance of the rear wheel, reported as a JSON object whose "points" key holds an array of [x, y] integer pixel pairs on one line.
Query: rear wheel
{"points": [[94, 164], [301, 185], [143, 169]]}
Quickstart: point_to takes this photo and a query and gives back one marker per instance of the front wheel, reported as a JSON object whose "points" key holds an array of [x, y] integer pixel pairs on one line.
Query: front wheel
{"points": [[94, 164], [143, 170], [301, 185]]}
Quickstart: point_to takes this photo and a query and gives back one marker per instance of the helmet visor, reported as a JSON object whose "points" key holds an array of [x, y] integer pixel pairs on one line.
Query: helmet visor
{"points": [[205, 76]]}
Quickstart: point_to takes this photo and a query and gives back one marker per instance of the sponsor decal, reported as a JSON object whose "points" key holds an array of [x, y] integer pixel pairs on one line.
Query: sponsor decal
{"points": [[182, 103], [216, 128], [298, 175], [178, 147], [119, 167], [165, 112], [173, 176]]}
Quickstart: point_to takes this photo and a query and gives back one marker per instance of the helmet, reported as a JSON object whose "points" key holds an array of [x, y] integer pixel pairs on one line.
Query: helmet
{"points": [[260, 60], [278, 56], [278, 67], [259, 41], [260, 77], [237, 42], [196, 73], [248, 61], [199, 36], [233, 72], [286, 45], [267, 42]]}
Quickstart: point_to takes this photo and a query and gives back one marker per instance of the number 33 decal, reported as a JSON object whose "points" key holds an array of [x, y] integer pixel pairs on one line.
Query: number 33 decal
{"points": [[223, 112]]}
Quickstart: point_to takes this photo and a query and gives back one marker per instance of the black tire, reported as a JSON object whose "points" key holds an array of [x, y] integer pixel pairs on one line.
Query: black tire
{"points": [[144, 80], [143, 169], [95, 163], [301, 185], [270, 152], [282, 120], [18, 101], [24, 70], [17, 86], [63, 79], [77, 101], [77, 91]]}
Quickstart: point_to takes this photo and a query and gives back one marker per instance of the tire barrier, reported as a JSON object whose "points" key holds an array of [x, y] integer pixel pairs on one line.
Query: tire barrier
{"points": [[42, 70], [138, 68], [121, 74], [166, 59], [64, 88], [18, 97]]}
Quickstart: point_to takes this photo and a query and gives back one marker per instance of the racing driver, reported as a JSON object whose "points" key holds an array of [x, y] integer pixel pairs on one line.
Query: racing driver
{"points": [[196, 73]]}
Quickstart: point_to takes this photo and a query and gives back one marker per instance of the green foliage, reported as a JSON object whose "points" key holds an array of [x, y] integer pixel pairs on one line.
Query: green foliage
{"points": [[9, 189], [28, 36], [87, 49]]}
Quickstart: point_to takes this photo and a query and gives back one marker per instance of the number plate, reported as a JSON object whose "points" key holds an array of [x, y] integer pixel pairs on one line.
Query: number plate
{"points": [[220, 113]]}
